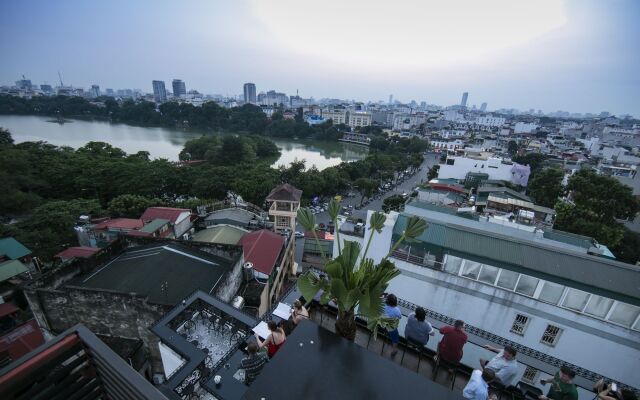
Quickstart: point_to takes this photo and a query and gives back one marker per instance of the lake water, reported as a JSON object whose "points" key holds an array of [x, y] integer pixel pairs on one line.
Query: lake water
{"points": [[163, 142]]}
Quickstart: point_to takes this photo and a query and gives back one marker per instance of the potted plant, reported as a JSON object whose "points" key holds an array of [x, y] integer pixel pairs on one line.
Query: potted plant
{"points": [[354, 283]]}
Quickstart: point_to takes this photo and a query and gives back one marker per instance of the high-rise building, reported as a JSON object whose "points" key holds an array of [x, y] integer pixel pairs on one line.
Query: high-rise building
{"points": [[250, 93], [483, 107], [465, 96], [24, 83], [179, 88], [46, 88], [95, 90], [159, 91], [390, 99]]}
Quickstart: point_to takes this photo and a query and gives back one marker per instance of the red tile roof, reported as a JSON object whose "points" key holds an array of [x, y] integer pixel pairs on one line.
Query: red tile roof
{"points": [[285, 192], [7, 309], [21, 340], [77, 252], [262, 249], [120, 223], [169, 213]]}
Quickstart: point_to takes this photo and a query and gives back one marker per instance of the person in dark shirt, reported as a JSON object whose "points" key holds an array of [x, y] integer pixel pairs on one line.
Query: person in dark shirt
{"points": [[254, 363], [453, 339]]}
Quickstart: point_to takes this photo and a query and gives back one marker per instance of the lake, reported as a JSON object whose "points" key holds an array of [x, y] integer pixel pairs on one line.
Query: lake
{"points": [[164, 142]]}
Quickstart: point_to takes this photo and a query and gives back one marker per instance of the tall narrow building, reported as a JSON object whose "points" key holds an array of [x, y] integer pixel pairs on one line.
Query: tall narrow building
{"points": [[179, 88], [465, 96], [159, 91], [250, 93]]}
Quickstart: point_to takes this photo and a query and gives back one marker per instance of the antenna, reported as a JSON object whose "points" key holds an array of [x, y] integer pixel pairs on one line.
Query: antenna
{"points": [[60, 76]]}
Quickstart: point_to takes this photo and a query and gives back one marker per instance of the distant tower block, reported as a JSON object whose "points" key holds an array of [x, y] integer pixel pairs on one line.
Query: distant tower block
{"points": [[465, 96]]}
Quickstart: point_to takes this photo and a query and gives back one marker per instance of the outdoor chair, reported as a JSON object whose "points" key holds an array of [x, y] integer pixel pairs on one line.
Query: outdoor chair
{"points": [[530, 392], [451, 368]]}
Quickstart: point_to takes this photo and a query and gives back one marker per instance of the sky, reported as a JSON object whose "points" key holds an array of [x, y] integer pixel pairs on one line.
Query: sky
{"points": [[573, 55]]}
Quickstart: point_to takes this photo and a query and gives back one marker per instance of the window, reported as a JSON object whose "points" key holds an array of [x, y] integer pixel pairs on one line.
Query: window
{"points": [[453, 264], [598, 306], [471, 269], [551, 335], [551, 293], [507, 279], [576, 299], [530, 375], [624, 314], [519, 324], [527, 285], [488, 274]]}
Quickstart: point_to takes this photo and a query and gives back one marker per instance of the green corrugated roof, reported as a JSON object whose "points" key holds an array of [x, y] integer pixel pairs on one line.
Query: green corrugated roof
{"points": [[589, 273], [154, 225], [11, 268], [569, 238], [224, 234], [13, 249]]}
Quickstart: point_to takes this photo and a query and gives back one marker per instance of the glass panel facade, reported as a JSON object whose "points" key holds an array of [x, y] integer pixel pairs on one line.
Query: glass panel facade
{"points": [[551, 293], [598, 306], [527, 285], [471, 269], [576, 299], [488, 274], [507, 279], [624, 314], [453, 264]]}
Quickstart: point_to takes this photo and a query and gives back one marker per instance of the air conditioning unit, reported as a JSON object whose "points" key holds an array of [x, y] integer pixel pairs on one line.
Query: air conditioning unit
{"points": [[158, 379]]}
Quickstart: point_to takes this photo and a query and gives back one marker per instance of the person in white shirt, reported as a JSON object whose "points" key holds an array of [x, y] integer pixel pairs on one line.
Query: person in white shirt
{"points": [[478, 386], [504, 364]]}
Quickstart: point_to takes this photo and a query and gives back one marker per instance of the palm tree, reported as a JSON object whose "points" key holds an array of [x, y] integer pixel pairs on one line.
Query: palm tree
{"points": [[354, 283]]}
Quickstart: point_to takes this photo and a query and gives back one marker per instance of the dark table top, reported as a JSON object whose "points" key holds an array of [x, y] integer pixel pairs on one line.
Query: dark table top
{"points": [[230, 387], [334, 368]]}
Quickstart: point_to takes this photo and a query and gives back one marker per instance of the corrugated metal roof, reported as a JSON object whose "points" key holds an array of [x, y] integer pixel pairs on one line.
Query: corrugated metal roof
{"points": [[12, 248], [11, 268], [154, 225], [562, 265]]}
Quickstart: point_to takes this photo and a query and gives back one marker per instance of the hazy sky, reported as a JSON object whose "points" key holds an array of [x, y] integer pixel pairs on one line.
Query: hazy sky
{"points": [[575, 55]]}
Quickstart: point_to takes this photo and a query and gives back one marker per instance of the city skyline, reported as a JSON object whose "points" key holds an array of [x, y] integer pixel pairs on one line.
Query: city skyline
{"points": [[553, 63]]}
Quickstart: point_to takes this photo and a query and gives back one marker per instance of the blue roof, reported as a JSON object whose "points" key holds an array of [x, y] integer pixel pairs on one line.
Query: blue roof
{"points": [[12, 249]]}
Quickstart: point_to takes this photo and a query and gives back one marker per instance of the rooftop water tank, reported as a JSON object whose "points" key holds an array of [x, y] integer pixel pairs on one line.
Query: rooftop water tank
{"points": [[247, 271]]}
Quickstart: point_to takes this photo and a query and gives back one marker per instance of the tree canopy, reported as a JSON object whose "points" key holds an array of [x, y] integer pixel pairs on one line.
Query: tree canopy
{"points": [[597, 202]]}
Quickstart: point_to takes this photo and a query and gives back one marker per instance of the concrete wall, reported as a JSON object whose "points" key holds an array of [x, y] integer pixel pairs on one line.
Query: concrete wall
{"points": [[585, 341], [103, 312]]}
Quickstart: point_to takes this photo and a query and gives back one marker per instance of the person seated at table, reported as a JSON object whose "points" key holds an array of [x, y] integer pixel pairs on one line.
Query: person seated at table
{"points": [[606, 392], [562, 386], [504, 364], [478, 386], [298, 312], [391, 310], [418, 329], [253, 363], [274, 341], [452, 342]]}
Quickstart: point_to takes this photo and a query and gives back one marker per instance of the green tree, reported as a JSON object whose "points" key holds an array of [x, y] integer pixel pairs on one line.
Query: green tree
{"points": [[598, 202], [5, 137], [628, 250], [534, 160], [512, 147], [366, 187], [546, 187], [393, 203], [433, 172], [131, 205], [354, 284], [50, 227]]}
